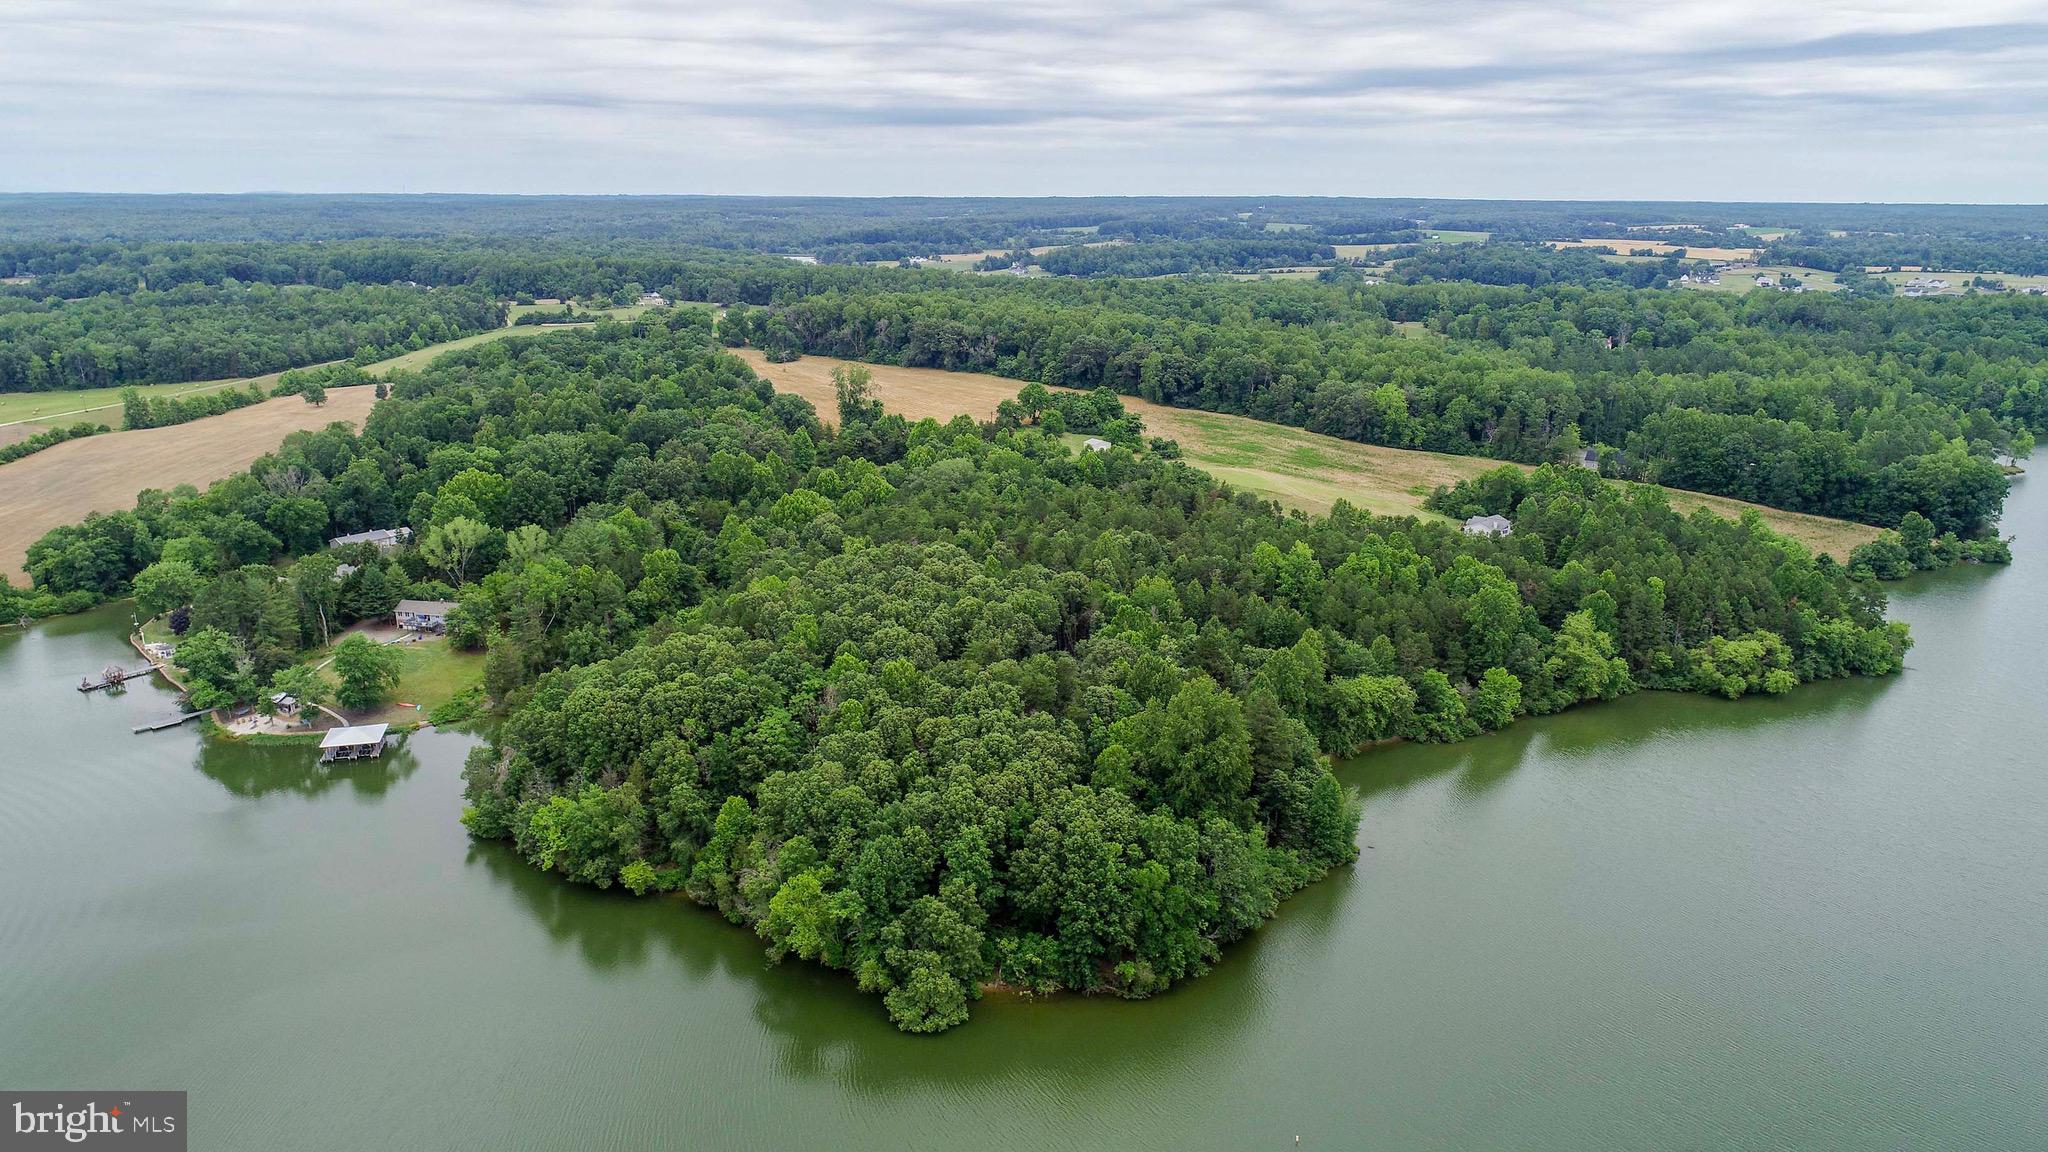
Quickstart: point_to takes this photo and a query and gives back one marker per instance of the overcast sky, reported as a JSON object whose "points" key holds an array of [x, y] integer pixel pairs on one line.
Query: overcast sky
{"points": [[1706, 99]]}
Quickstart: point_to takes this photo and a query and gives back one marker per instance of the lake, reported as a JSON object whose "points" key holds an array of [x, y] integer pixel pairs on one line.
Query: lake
{"points": [[1809, 922]]}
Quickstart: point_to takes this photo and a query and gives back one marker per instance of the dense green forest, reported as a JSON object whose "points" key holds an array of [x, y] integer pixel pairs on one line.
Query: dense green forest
{"points": [[942, 705], [216, 331]]}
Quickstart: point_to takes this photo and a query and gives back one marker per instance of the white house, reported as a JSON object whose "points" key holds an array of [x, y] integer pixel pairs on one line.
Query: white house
{"points": [[423, 615], [1097, 444], [1488, 526], [386, 539]]}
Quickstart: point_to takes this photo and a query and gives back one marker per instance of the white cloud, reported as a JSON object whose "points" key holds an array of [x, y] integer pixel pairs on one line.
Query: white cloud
{"points": [[1843, 100]]}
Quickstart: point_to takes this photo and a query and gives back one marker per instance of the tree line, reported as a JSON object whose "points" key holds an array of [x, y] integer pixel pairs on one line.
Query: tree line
{"points": [[209, 332]]}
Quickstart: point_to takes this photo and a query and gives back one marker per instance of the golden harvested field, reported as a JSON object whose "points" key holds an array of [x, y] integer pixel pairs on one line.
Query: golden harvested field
{"points": [[9, 433], [104, 473], [1625, 245], [1300, 469]]}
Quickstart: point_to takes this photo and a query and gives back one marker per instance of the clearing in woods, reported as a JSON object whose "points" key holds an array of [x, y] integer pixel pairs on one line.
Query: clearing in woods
{"points": [[1300, 469]]}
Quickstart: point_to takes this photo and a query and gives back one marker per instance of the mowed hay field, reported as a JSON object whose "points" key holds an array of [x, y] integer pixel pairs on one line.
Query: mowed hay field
{"points": [[1297, 468], [104, 473]]}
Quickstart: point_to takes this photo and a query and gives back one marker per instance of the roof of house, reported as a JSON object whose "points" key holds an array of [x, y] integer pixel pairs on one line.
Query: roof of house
{"points": [[284, 699], [373, 536], [1488, 522], [426, 607], [351, 737], [1098, 444]]}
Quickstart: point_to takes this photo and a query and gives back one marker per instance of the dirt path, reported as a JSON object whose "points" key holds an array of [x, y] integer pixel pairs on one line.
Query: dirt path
{"points": [[1300, 469], [104, 473]]}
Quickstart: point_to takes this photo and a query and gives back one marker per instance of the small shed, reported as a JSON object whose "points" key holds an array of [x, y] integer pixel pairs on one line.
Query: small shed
{"points": [[365, 741], [423, 615], [1488, 526], [1590, 459], [284, 704], [1097, 444]]}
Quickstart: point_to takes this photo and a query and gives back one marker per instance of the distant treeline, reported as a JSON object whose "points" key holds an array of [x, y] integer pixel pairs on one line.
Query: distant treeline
{"points": [[1533, 265], [891, 228], [207, 332], [2018, 255], [1171, 257]]}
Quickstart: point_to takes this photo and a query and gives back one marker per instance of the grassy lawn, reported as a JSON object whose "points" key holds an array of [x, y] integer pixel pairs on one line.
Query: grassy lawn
{"points": [[434, 673]]}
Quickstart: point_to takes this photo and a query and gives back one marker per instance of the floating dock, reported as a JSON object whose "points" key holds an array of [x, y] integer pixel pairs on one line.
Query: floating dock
{"points": [[168, 722]]}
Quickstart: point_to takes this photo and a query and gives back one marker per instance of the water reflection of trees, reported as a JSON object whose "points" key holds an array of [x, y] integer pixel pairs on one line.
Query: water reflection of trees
{"points": [[826, 1029], [1607, 729], [256, 770]]}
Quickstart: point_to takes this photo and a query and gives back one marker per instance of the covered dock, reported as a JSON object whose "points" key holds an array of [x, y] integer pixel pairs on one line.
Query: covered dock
{"points": [[365, 741]]}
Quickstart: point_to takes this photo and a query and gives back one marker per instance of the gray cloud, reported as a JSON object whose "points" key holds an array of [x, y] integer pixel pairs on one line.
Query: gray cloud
{"points": [[1832, 99]]}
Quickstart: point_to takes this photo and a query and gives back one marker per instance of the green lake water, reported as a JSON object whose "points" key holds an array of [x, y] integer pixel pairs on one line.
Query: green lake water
{"points": [[1812, 922]]}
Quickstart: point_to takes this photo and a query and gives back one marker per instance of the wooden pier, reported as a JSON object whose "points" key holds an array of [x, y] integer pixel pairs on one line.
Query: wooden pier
{"points": [[168, 722], [113, 676]]}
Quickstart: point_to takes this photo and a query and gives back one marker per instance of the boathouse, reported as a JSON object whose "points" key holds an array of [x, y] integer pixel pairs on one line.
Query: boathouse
{"points": [[360, 742]]}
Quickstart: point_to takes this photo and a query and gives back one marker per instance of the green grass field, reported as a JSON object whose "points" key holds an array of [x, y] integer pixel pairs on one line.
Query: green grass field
{"points": [[1745, 279], [102, 405], [435, 672]]}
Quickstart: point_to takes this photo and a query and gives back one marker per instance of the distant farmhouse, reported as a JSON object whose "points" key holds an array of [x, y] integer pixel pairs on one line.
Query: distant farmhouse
{"points": [[1097, 444], [386, 539], [1488, 526]]}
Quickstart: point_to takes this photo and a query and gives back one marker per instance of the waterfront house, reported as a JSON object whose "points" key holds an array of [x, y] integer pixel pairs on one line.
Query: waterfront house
{"points": [[1488, 526], [423, 615]]}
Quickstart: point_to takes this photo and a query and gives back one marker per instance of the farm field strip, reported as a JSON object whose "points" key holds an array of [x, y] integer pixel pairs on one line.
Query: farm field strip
{"points": [[1295, 467]]}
